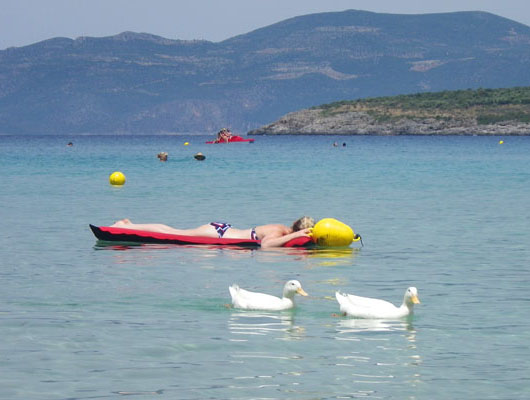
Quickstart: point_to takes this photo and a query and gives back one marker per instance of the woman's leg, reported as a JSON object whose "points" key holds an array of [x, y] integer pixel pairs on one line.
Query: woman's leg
{"points": [[203, 230]]}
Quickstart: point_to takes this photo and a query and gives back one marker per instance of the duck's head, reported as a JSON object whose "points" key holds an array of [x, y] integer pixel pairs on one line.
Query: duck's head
{"points": [[293, 287], [411, 297]]}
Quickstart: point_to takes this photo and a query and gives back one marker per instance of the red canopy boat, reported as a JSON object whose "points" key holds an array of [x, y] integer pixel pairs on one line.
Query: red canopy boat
{"points": [[233, 139]]}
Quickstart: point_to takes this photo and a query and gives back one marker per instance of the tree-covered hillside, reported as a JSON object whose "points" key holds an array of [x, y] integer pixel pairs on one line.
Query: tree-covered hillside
{"points": [[459, 112], [486, 105]]}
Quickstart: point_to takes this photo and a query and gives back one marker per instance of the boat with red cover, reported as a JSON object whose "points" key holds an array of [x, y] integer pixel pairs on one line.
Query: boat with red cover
{"points": [[232, 139]]}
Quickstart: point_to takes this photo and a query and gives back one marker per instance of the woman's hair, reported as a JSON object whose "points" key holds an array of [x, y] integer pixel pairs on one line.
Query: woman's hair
{"points": [[303, 223]]}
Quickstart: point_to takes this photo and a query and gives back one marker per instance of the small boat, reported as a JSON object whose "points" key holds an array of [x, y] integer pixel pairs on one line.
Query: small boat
{"points": [[232, 139]]}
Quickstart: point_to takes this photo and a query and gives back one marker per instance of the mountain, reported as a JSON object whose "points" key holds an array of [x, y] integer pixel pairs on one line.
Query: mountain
{"points": [[459, 112], [141, 83]]}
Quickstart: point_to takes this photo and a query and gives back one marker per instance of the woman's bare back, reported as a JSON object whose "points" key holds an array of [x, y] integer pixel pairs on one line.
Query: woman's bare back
{"points": [[272, 230]]}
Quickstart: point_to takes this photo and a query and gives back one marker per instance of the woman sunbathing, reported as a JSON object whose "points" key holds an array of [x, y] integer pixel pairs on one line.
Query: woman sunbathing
{"points": [[271, 235]]}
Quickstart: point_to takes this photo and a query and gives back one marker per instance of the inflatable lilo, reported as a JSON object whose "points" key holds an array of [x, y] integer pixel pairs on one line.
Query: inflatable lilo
{"points": [[326, 233], [113, 234]]}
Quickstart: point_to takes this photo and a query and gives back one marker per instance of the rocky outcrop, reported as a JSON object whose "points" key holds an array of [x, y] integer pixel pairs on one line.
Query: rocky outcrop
{"points": [[314, 121]]}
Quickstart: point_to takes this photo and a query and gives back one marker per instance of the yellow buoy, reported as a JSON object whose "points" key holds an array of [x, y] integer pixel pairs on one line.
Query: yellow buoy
{"points": [[117, 178], [333, 233], [501, 141], [186, 143]]}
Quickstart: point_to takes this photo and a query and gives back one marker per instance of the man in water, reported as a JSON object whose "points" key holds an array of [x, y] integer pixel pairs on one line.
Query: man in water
{"points": [[271, 235]]}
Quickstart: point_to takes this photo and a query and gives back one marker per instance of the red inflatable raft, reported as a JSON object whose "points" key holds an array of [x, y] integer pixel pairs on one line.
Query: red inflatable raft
{"points": [[112, 234], [233, 139]]}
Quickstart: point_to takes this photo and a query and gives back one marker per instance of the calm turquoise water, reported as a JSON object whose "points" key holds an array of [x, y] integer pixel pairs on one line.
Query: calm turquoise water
{"points": [[80, 320]]}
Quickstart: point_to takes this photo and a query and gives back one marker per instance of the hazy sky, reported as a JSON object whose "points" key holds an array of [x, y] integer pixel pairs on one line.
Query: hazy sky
{"points": [[23, 22]]}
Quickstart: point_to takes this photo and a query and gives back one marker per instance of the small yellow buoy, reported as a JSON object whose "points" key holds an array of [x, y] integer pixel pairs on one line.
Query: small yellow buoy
{"points": [[501, 141], [117, 178], [186, 143], [333, 233]]}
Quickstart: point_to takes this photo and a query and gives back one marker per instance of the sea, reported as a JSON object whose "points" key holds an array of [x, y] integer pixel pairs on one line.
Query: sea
{"points": [[83, 319]]}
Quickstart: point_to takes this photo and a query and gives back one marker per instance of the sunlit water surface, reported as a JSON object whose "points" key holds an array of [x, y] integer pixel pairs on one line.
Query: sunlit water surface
{"points": [[84, 320]]}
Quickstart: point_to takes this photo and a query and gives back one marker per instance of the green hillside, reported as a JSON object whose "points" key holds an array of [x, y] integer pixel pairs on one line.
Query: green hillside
{"points": [[486, 106]]}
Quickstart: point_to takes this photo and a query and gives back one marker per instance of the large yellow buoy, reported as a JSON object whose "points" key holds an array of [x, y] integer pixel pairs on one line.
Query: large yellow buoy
{"points": [[333, 233], [117, 178]]}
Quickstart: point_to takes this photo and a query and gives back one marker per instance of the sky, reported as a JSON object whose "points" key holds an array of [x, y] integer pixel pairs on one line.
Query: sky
{"points": [[23, 22]]}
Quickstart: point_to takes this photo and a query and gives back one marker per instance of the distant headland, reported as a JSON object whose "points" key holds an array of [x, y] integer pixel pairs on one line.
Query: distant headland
{"points": [[459, 112]]}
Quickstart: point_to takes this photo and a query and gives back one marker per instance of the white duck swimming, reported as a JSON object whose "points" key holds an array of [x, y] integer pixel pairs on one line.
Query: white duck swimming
{"points": [[365, 307], [246, 300]]}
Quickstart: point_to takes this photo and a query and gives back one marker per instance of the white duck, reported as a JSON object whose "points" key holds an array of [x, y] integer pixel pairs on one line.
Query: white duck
{"points": [[365, 307], [246, 300]]}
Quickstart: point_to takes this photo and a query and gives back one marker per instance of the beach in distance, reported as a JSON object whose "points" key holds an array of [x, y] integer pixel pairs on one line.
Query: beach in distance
{"points": [[82, 319]]}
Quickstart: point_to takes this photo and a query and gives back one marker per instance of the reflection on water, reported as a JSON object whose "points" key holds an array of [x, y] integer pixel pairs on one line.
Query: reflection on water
{"points": [[384, 353], [103, 245], [369, 358], [325, 257], [332, 257], [356, 325], [333, 252], [322, 257], [246, 323], [314, 257], [198, 254]]}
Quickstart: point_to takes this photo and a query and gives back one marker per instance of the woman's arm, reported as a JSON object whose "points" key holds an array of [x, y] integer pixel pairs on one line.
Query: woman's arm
{"points": [[279, 241]]}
